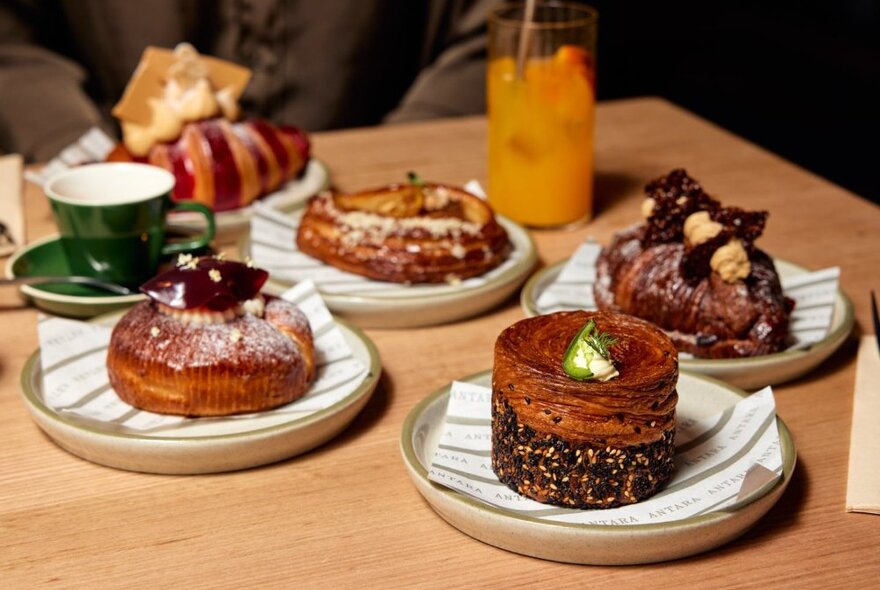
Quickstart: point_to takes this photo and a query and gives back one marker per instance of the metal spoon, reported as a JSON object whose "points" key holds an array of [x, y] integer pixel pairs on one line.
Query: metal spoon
{"points": [[112, 287]]}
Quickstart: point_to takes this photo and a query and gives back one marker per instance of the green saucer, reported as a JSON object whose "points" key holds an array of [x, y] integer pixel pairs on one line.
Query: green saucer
{"points": [[45, 257]]}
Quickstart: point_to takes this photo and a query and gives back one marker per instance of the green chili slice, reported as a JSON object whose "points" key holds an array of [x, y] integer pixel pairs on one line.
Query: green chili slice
{"points": [[576, 362], [588, 344]]}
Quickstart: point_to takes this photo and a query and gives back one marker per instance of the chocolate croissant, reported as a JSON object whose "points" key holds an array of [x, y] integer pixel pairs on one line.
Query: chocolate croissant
{"points": [[693, 270], [583, 444], [227, 165], [428, 233]]}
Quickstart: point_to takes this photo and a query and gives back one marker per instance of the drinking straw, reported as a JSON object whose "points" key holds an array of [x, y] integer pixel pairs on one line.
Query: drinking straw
{"points": [[524, 38]]}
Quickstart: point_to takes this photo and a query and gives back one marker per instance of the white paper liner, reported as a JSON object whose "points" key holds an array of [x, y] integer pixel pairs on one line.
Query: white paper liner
{"points": [[814, 294], [716, 459], [93, 146], [73, 359], [273, 247]]}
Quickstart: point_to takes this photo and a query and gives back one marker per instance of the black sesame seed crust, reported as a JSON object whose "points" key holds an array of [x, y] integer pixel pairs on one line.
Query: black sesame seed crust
{"points": [[550, 470]]}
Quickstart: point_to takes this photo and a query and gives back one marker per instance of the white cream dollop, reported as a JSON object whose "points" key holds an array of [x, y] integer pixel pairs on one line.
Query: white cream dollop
{"points": [[602, 369], [255, 307]]}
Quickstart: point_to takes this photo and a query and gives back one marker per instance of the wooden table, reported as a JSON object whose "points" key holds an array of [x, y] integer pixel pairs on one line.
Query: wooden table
{"points": [[346, 514]]}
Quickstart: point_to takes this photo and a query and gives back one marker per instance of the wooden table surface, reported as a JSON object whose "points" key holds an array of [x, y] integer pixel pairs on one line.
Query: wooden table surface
{"points": [[346, 514]]}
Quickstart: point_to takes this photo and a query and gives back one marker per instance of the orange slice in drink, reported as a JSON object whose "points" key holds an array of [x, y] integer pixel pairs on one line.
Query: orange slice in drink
{"points": [[577, 58]]}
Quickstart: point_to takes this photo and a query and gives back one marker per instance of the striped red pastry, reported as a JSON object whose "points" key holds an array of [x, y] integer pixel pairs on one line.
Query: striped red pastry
{"points": [[227, 165]]}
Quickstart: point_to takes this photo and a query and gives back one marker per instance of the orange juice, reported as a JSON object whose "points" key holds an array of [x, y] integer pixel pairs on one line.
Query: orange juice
{"points": [[541, 138]]}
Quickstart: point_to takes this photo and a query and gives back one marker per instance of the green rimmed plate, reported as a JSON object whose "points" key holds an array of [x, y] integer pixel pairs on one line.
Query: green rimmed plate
{"points": [[750, 372], [590, 544], [206, 445], [45, 257], [424, 305]]}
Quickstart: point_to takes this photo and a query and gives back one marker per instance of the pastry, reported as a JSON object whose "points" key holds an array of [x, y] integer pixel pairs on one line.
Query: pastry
{"points": [[579, 426], [693, 269], [207, 343], [227, 165], [407, 233], [181, 112]]}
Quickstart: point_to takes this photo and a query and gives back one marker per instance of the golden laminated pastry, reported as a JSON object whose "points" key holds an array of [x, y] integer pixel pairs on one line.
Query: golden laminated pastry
{"points": [[207, 343], [429, 233], [583, 444]]}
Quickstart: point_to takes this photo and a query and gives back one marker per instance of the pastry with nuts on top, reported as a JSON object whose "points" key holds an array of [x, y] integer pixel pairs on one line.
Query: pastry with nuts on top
{"points": [[405, 233]]}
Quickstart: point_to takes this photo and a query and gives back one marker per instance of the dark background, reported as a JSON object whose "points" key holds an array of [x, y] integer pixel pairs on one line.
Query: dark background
{"points": [[801, 79]]}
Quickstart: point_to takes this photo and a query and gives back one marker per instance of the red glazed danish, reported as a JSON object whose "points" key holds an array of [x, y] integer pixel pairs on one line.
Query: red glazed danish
{"points": [[416, 233], [583, 443], [207, 343], [692, 268]]}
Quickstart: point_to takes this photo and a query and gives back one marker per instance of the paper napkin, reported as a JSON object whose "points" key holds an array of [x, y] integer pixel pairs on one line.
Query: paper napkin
{"points": [[273, 247], [813, 293], [715, 457], [93, 146], [863, 485], [11, 206], [73, 358]]}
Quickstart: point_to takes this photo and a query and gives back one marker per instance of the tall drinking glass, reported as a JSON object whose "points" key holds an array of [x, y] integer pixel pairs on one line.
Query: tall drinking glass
{"points": [[541, 96]]}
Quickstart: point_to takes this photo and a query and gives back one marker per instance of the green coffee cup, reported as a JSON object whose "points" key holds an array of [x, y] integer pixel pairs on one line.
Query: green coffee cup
{"points": [[111, 217]]}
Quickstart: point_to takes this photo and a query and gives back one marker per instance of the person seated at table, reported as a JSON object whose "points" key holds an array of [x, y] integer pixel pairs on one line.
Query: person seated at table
{"points": [[318, 65]]}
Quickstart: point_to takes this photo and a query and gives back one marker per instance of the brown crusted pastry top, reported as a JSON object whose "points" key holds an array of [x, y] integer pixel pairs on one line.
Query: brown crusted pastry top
{"points": [[693, 269], [430, 233], [710, 318], [636, 407]]}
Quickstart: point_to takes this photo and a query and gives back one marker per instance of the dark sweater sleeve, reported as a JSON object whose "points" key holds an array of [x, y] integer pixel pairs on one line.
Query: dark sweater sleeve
{"points": [[43, 106], [453, 82]]}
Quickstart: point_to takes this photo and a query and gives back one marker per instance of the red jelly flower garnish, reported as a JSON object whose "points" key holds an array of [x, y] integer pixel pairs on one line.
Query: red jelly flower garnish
{"points": [[207, 282]]}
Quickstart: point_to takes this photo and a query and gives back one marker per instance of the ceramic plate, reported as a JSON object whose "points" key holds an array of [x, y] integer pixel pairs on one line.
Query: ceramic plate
{"points": [[425, 305], [206, 445], [315, 178], [589, 544], [748, 373], [46, 257]]}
